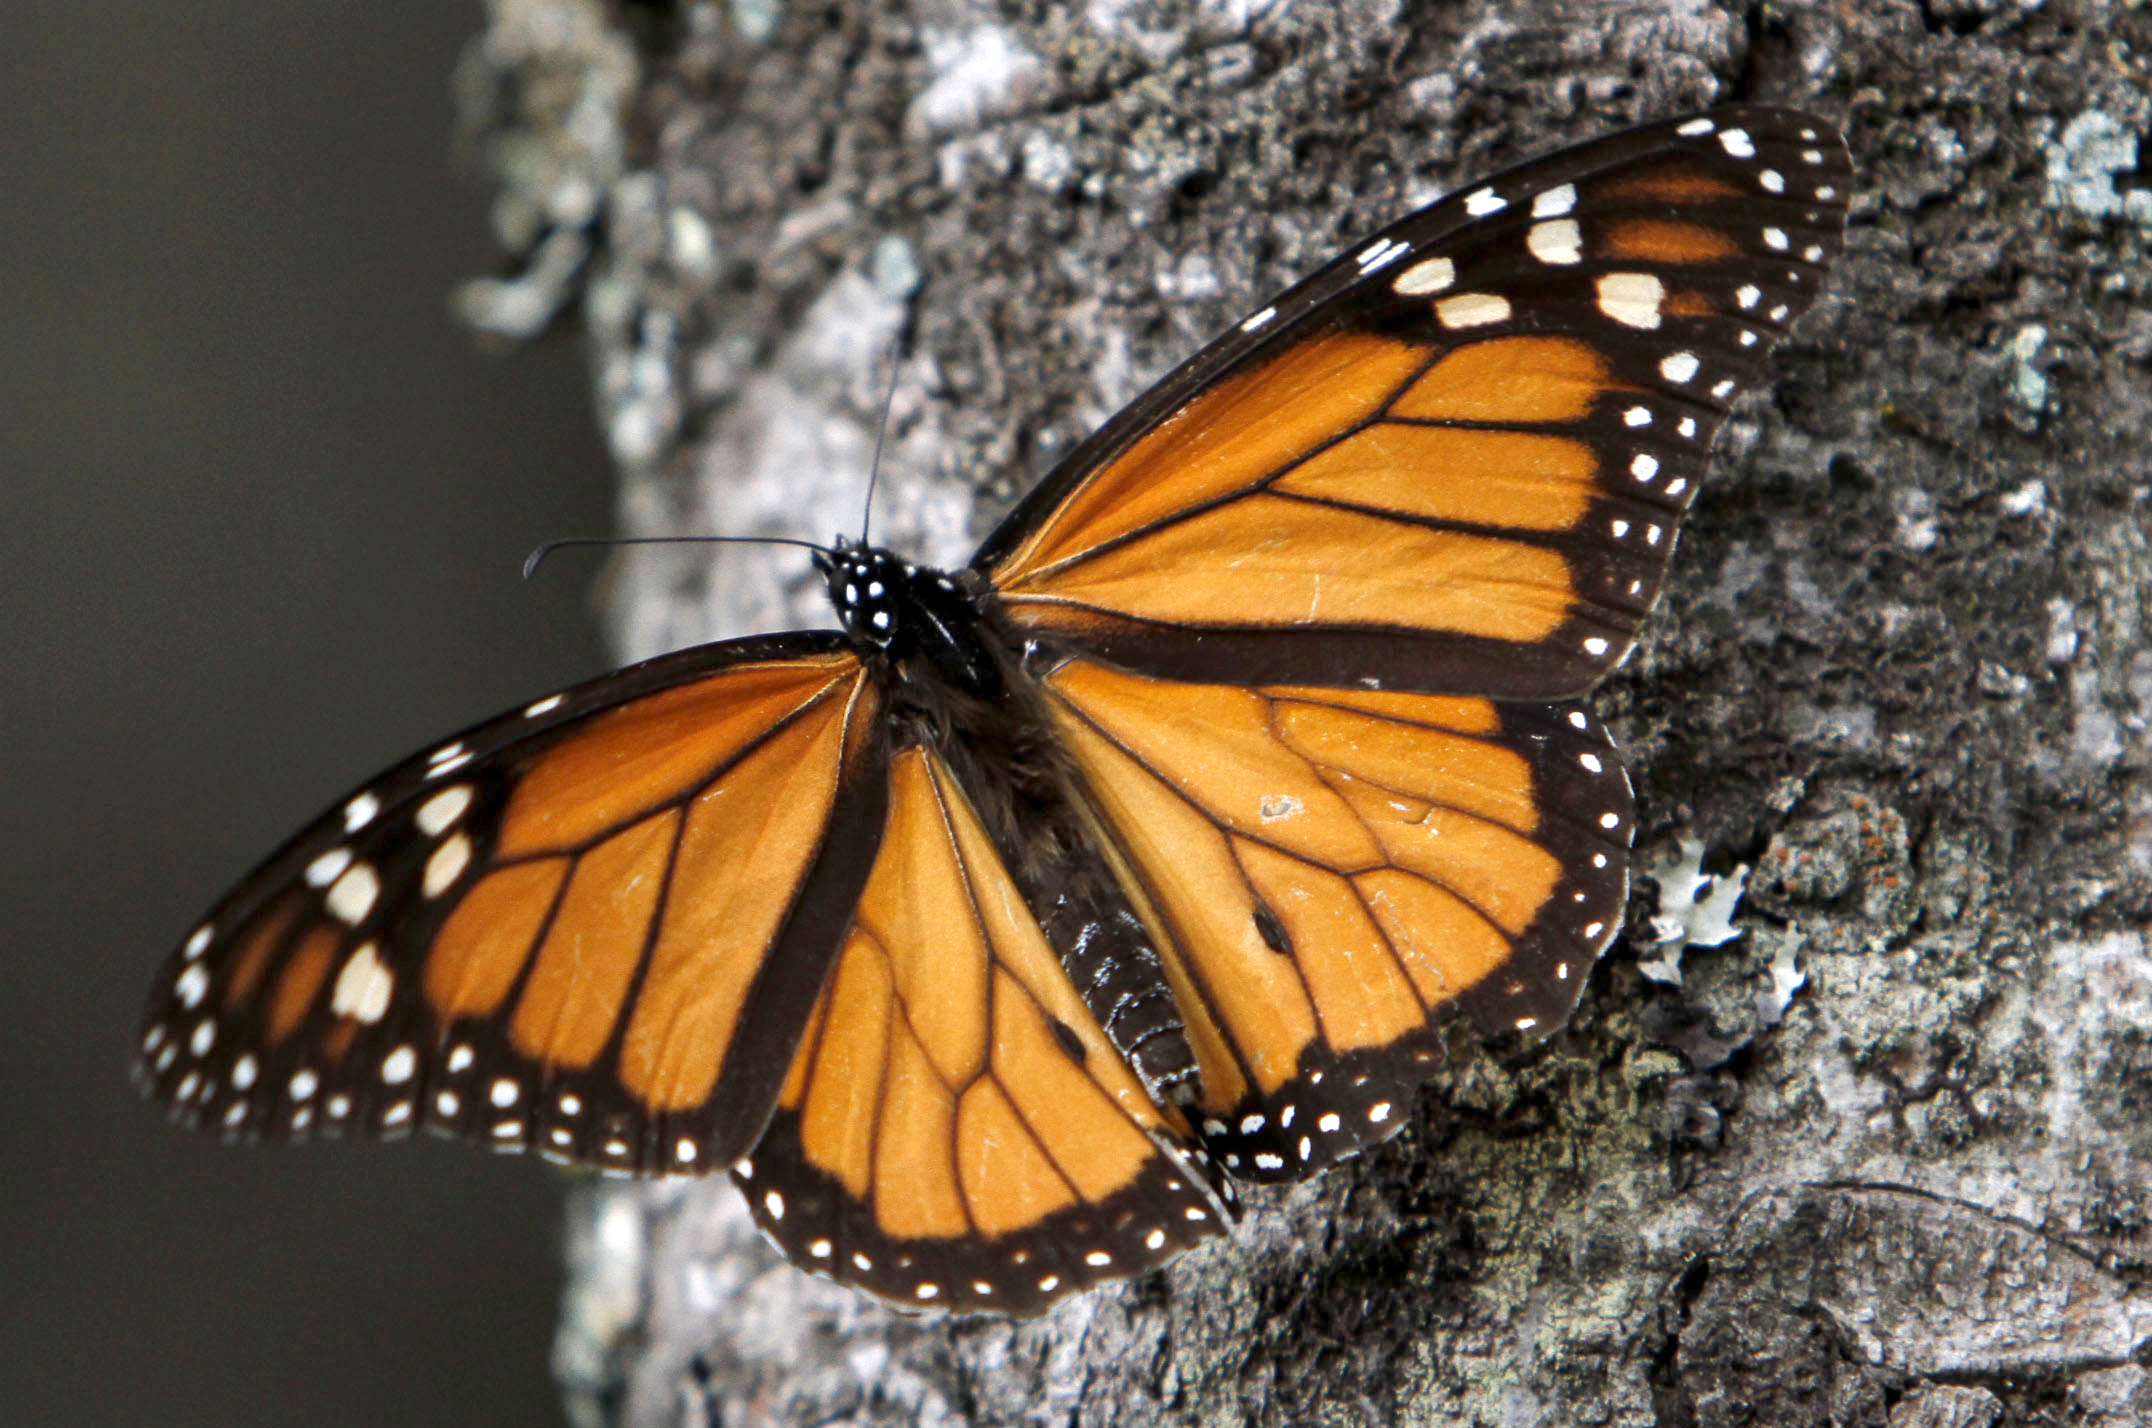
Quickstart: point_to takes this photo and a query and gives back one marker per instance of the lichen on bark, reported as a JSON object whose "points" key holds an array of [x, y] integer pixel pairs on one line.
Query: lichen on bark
{"points": [[1882, 1159]]}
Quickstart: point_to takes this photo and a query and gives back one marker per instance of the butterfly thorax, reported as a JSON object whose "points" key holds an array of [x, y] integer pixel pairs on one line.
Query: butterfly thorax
{"points": [[907, 613]]}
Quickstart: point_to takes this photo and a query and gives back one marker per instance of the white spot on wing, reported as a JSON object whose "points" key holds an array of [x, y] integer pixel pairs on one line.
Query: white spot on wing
{"points": [[1558, 240], [1555, 202], [439, 813], [193, 986], [446, 865], [1431, 275], [1472, 310], [326, 868], [360, 812], [1383, 253], [351, 897], [1483, 202], [362, 987], [1632, 299], [441, 770]]}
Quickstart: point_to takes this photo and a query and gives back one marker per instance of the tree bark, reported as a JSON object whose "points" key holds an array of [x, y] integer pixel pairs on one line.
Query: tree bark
{"points": [[1880, 1159]]}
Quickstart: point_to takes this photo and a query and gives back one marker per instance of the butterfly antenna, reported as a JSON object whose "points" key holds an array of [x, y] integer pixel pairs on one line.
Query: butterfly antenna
{"points": [[881, 433], [537, 557]]}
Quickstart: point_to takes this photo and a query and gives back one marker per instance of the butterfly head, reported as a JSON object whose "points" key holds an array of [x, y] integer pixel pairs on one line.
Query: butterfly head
{"points": [[893, 607], [868, 586]]}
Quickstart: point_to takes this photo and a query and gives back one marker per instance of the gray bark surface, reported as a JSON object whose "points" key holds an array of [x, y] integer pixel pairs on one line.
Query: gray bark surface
{"points": [[1880, 1159]]}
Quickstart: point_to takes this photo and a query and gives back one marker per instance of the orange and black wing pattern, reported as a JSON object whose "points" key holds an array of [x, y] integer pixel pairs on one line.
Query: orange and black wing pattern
{"points": [[593, 928], [1329, 875], [1454, 460], [957, 1132]]}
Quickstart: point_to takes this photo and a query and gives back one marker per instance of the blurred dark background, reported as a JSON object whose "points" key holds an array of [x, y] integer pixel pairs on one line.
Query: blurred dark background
{"points": [[261, 507]]}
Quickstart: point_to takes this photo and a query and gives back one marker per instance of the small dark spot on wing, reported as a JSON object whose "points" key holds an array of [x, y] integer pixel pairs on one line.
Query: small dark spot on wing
{"points": [[1070, 1041]]}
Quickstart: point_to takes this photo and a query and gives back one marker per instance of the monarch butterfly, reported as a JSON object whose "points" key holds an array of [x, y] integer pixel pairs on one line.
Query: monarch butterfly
{"points": [[990, 938]]}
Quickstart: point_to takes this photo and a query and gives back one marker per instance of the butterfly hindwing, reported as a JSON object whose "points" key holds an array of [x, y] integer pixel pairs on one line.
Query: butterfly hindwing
{"points": [[594, 927], [1330, 874], [1455, 459], [957, 1131]]}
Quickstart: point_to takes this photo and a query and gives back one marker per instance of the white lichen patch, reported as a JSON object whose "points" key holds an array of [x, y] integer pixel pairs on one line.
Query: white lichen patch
{"points": [[1786, 979], [1696, 908], [2113, 975], [2028, 384], [979, 74], [1913, 513], [2081, 167], [2061, 631], [2029, 499]]}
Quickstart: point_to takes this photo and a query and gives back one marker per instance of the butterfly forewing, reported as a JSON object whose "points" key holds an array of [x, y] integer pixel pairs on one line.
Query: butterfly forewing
{"points": [[1455, 459], [565, 929], [1330, 874], [956, 1130]]}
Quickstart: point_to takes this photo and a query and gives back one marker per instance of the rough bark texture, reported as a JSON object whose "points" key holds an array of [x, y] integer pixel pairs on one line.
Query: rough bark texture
{"points": [[1882, 1159]]}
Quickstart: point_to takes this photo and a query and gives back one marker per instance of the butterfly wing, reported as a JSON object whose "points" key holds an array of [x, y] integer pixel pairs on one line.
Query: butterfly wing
{"points": [[1454, 459], [957, 1131], [1329, 874], [595, 927]]}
